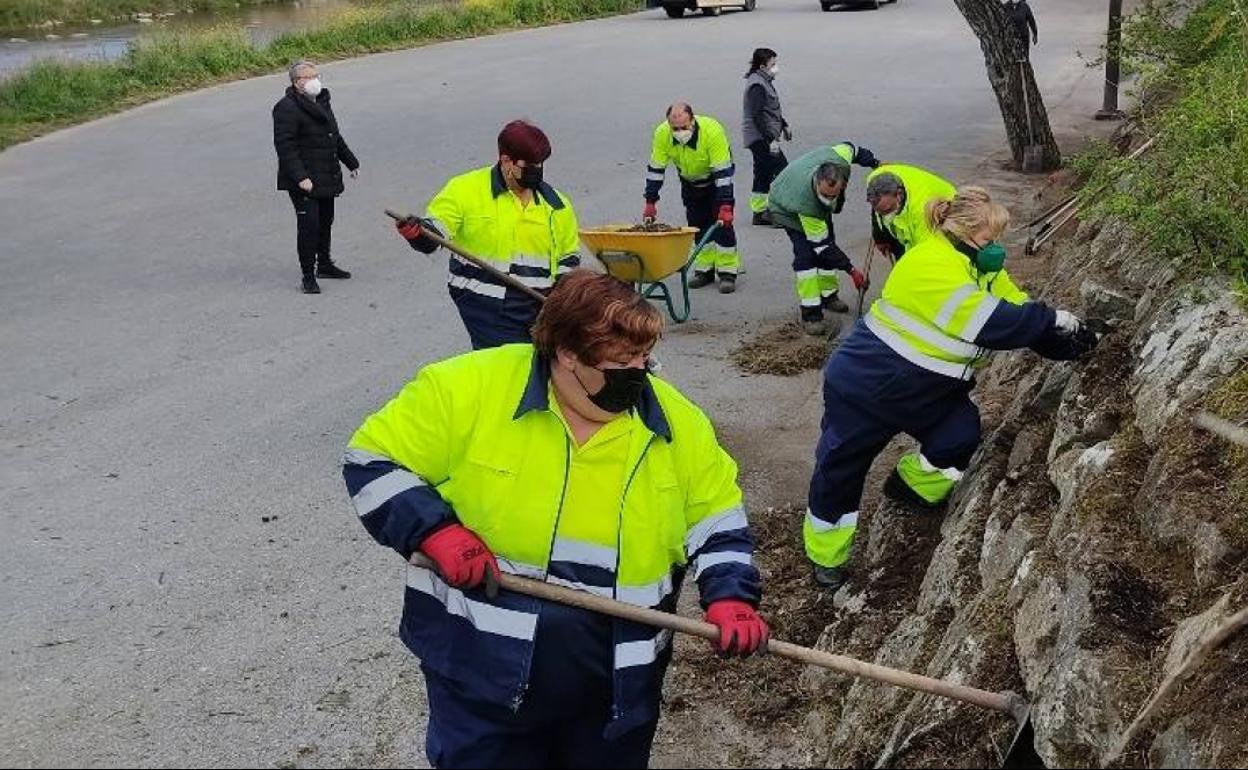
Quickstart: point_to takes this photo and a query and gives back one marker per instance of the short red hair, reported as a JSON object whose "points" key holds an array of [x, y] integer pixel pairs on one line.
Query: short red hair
{"points": [[594, 316], [521, 140]]}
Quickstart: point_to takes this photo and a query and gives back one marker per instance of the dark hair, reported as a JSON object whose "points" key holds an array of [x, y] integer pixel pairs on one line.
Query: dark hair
{"points": [[761, 57], [521, 140], [594, 315]]}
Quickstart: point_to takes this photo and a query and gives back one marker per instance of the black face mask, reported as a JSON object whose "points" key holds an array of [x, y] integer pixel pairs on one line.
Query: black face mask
{"points": [[621, 392], [530, 177]]}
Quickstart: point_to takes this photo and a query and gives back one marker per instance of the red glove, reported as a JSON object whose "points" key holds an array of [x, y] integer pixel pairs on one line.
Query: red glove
{"points": [[725, 215], [409, 228], [463, 560], [650, 212], [861, 282], [741, 631]]}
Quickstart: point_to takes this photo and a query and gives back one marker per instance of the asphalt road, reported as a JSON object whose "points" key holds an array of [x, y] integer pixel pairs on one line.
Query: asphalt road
{"points": [[182, 579]]}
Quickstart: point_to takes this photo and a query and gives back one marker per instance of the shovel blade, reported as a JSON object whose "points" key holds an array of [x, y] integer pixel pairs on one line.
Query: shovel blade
{"points": [[1033, 158], [1022, 754]]}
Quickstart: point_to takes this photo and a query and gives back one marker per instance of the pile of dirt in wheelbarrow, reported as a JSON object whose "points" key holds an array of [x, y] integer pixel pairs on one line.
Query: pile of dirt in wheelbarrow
{"points": [[653, 227], [784, 350]]}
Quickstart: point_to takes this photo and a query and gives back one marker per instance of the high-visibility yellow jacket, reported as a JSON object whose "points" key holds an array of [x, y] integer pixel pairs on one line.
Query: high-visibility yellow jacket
{"points": [[474, 439], [706, 160], [534, 243], [909, 225]]}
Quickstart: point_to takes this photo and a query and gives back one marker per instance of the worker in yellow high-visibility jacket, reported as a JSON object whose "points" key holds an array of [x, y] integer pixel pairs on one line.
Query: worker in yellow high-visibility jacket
{"points": [[899, 195], [699, 148], [563, 461], [909, 367]]}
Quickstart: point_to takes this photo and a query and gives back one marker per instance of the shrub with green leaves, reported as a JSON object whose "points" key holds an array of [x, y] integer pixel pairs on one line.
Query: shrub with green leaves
{"points": [[1188, 196]]}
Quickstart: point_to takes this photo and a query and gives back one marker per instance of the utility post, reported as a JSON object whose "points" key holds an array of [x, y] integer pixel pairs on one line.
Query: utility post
{"points": [[1113, 44]]}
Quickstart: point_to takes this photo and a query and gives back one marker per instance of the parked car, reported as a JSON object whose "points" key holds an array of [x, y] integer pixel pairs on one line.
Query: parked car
{"points": [[677, 8], [874, 5]]}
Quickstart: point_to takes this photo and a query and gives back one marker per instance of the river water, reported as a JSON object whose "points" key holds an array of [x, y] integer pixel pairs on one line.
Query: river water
{"points": [[107, 41]]}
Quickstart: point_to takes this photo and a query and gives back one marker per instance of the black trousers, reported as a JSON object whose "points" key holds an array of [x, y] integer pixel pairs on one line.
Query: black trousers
{"points": [[315, 218], [766, 166]]}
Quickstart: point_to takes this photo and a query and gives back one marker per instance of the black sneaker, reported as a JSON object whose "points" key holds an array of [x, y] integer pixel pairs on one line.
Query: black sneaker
{"points": [[830, 578], [834, 304], [761, 219], [310, 286], [899, 492], [727, 283], [330, 270], [702, 278]]}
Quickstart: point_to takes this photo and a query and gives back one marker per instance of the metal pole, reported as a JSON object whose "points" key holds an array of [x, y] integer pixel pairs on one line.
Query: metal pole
{"points": [[1113, 44]]}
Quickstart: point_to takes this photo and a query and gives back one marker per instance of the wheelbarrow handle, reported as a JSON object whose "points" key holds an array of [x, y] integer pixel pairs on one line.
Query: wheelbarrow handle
{"points": [[509, 280], [702, 242], [1004, 702]]}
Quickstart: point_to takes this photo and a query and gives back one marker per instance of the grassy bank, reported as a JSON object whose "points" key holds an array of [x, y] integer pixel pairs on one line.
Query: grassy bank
{"points": [[1189, 195], [19, 14], [51, 95]]}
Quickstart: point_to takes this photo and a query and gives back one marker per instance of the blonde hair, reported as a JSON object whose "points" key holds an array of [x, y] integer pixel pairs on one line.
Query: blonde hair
{"points": [[970, 211]]}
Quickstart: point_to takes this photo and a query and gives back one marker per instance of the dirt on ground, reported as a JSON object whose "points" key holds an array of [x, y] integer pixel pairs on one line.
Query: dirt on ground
{"points": [[783, 350]]}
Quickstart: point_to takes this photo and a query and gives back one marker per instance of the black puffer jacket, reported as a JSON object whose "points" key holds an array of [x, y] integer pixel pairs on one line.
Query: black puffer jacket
{"points": [[305, 135]]}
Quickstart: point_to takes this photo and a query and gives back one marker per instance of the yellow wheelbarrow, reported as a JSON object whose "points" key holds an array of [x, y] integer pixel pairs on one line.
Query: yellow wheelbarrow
{"points": [[645, 259]]}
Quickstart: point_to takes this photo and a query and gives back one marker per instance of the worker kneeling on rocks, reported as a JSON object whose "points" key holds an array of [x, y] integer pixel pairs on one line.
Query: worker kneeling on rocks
{"points": [[803, 199], [909, 365], [561, 461]]}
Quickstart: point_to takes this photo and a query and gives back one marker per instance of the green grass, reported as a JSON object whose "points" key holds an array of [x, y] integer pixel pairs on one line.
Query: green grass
{"points": [[18, 14], [51, 95], [1188, 196]]}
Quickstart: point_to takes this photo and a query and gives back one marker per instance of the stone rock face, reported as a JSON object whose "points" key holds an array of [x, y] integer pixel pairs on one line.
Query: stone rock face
{"points": [[1084, 554]]}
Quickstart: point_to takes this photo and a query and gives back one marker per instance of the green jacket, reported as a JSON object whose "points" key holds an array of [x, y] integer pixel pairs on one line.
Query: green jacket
{"points": [[793, 192]]}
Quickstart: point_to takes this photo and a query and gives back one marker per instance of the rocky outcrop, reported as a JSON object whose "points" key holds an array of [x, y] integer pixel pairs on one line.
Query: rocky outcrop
{"points": [[1091, 544]]}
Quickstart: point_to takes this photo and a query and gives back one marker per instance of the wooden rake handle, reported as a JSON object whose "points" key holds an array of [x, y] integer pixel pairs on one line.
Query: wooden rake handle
{"points": [[1004, 702], [510, 280]]}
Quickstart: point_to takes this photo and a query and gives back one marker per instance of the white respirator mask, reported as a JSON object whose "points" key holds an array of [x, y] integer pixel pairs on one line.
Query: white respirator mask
{"points": [[683, 137], [312, 87]]}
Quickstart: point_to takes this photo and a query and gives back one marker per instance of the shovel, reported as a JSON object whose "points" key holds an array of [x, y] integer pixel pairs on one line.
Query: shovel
{"points": [[1020, 752], [862, 293], [1033, 154], [509, 280]]}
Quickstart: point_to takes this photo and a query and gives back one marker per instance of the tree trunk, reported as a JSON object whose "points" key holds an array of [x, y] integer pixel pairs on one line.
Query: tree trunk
{"points": [[1003, 53]]}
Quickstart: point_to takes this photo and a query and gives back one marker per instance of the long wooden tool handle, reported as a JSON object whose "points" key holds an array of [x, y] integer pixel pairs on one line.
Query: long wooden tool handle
{"points": [[510, 280], [862, 293], [1004, 702]]}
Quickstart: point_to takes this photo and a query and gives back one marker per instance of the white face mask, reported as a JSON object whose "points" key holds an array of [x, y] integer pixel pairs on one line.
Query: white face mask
{"points": [[825, 201], [888, 218], [312, 87], [683, 136], [773, 69]]}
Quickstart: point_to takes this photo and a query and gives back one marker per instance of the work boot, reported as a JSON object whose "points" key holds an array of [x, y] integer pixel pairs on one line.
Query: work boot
{"points": [[832, 303], [310, 286], [330, 270], [762, 219], [727, 283], [702, 278], [897, 490], [813, 322], [830, 578]]}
